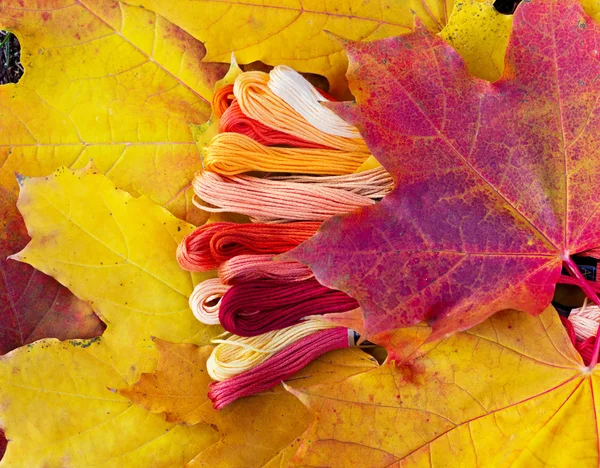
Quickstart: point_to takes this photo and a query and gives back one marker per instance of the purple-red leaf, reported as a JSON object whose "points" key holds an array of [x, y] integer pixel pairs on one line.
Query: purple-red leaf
{"points": [[32, 304], [496, 184]]}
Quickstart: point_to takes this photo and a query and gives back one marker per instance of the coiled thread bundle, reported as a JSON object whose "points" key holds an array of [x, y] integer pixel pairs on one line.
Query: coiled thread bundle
{"points": [[297, 198], [208, 246], [234, 153], [278, 367], [256, 307], [303, 159], [235, 354], [245, 268]]}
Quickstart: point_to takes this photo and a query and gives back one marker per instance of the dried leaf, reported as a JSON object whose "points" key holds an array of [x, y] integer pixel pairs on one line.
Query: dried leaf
{"points": [[117, 252], [512, 391], [480, 35], [57, 411], [496, 183], [179, 386]]}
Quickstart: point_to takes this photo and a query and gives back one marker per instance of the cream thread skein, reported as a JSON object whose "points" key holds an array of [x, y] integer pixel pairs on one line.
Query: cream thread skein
{"points": [[234, 354], [304, 98], [205, 299]]}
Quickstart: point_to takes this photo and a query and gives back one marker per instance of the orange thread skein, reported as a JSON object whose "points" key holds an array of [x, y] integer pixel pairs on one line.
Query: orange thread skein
{"points": [[208, 246], [234, 153], [222, 99]]}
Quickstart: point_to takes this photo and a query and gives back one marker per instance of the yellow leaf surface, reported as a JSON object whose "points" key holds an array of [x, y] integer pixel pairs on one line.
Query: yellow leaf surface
{"points": [[592, 8], [480, 35], [294, 33], [509, 392], [57, 412], [109, 82], [116, 252], [254, 430]]}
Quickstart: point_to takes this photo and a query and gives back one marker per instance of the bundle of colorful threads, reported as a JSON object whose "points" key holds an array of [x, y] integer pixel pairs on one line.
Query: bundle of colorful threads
{"points": [[303, 160], [581, 327]]}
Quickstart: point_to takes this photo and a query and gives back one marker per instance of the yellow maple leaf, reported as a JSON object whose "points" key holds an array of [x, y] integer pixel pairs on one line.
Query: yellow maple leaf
{"points": [[56, 411], [179, 385], [511, 391], [118, 253], [294, 33], [109, 82], [592, 8]]}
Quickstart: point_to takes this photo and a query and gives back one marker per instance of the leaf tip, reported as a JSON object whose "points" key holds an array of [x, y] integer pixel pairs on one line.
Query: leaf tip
{"points": [[18, 257], [336, 37], [418, 25]]}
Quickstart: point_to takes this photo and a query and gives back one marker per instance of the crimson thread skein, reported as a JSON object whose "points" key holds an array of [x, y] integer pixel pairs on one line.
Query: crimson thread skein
{"points": [[277, 368], [256, 307], [208, 246]]}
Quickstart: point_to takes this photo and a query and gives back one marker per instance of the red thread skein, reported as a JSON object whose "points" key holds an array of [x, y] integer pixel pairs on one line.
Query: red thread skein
{"points": [[256, 307], [210, 245], [277, 368], [235, 121]]}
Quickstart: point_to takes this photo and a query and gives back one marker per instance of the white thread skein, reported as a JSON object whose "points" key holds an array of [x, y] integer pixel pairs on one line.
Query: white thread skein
{"points": [[303, 97]]}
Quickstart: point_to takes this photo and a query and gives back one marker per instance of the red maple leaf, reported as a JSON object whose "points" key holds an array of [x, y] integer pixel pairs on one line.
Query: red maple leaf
{"points": [[496, 183], [33, 305]]}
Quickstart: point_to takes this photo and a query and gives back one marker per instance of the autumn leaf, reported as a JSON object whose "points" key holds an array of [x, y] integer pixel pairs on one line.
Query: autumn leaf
{"points": [[116, 252], [495, 183], [109, 82], [295, 34], [33, 305], [119, 253], [512, 391], [56, 409], [179, 385]]}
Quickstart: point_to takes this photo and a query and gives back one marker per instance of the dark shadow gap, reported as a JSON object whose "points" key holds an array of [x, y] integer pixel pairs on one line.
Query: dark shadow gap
{"points": [[11, 69], [506, 7]]}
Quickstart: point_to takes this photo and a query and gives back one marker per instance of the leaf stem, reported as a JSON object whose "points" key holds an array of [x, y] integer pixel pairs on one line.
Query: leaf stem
{"points": [[6, 38], [591, 294]]}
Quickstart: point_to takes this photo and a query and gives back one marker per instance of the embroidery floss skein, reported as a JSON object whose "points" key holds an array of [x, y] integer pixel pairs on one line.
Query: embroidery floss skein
{"points": [[234, 153], [277, 368], [222, 99], [256, 307], [208, 246], [205, 299], [297, 198], [303, 97], [234, 120], [235, 354], [260, 103], [585, 321], [244, 268], [585, 347]]}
